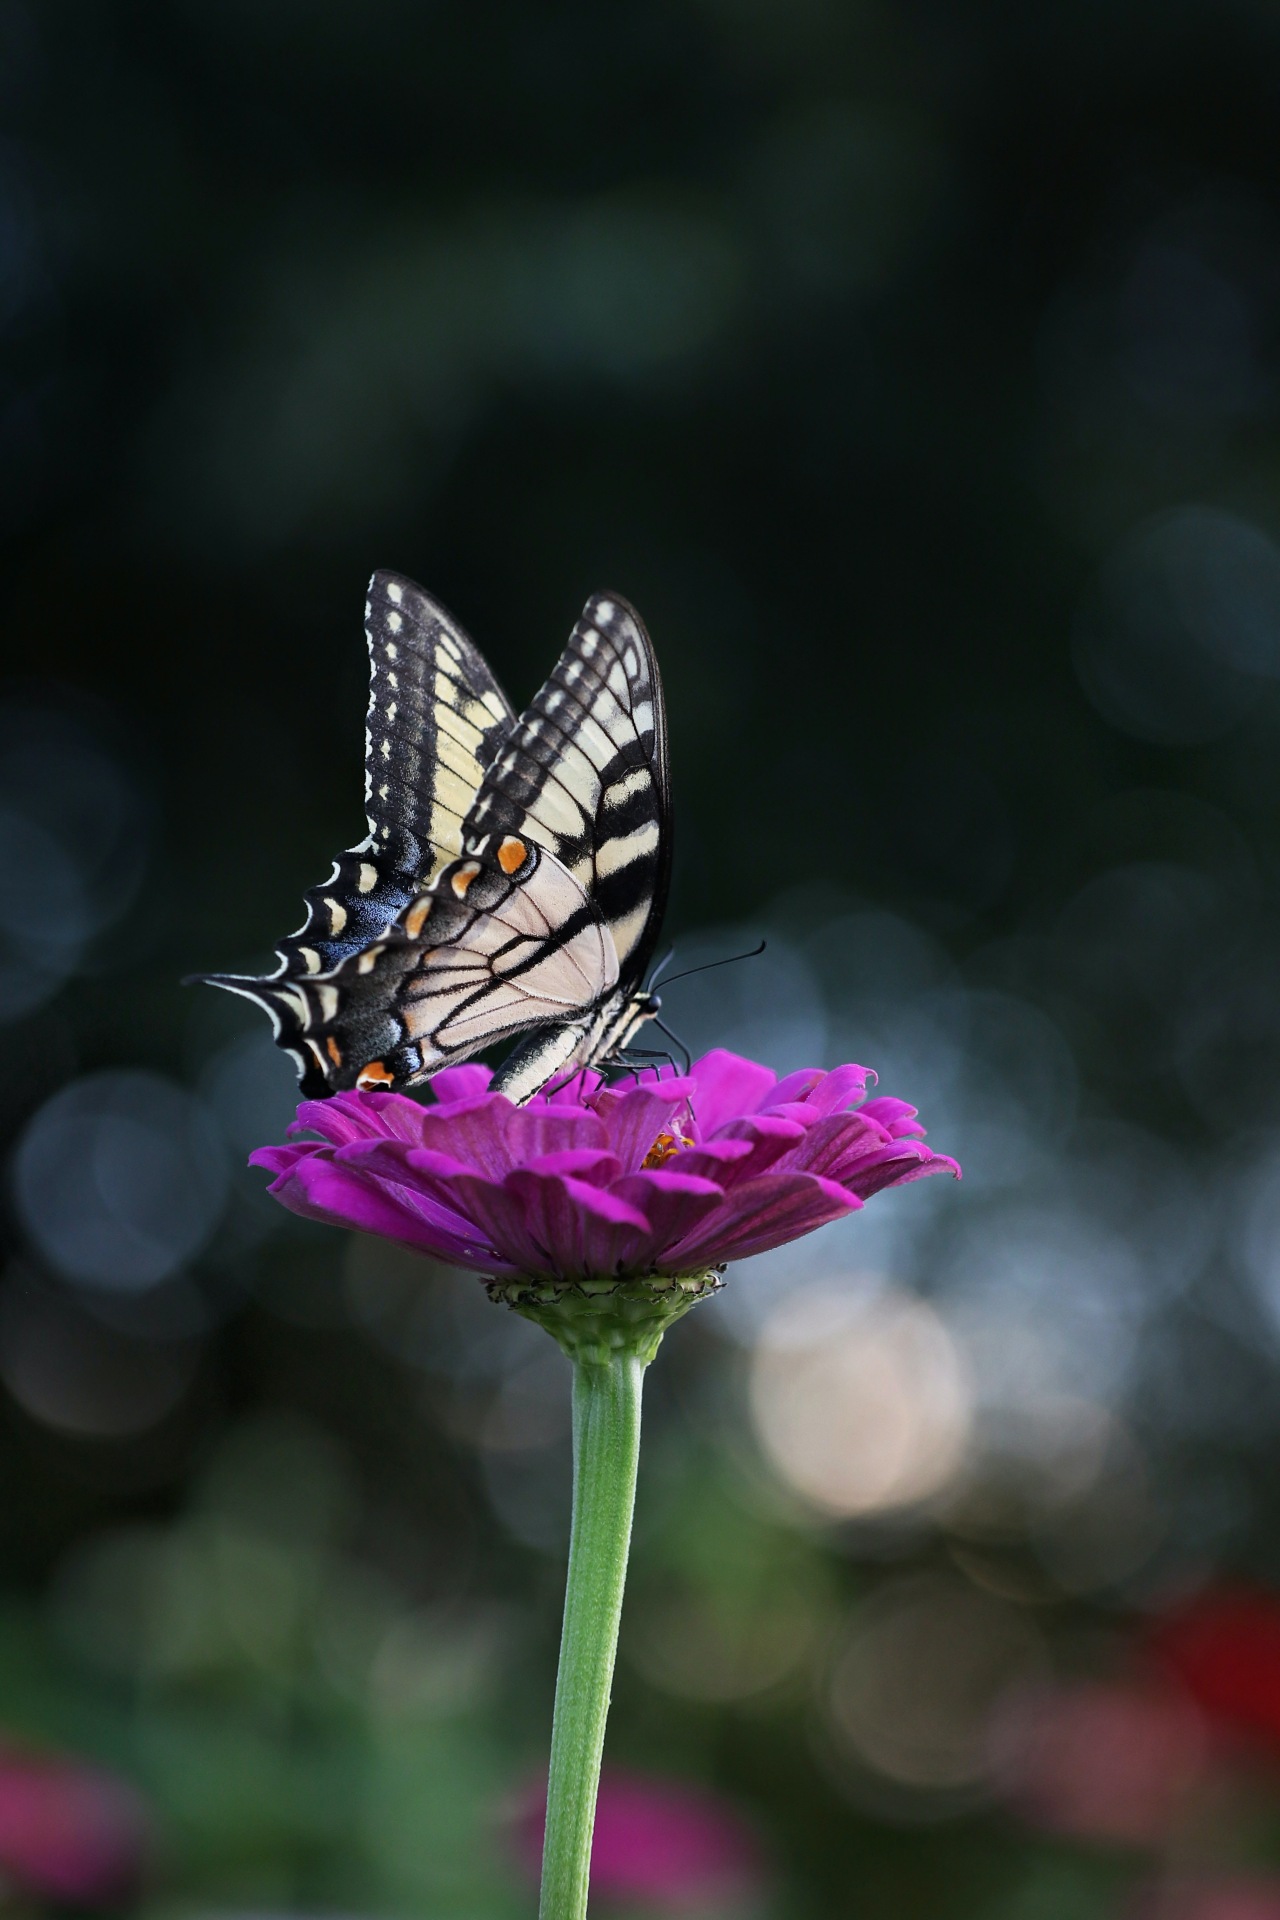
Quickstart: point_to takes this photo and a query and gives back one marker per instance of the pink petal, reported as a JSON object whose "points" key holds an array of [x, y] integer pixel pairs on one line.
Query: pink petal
{"points": [[281, 1159], [467, 1082], [759, 1215], [594, 1165], [345, 1117], [318, 1189], [727, 1087], [633, 1120], [583, 1230], [673, 1204], [767, 1134], [897, 1117], [797, 1086], [502, 1217], [840, 1089], [533, 1131]]}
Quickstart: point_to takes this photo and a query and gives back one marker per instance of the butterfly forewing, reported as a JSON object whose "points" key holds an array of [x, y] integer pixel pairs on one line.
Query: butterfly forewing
{"points": [[584, 774], [546, 921], [436, 718]]}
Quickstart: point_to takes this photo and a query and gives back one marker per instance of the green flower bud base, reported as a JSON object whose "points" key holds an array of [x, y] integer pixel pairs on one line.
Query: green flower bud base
{"points": [[610, 1330]]}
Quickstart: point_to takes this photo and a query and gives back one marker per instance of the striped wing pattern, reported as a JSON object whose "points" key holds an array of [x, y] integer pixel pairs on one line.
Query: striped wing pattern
{"points": [[547, 920], [436, 718], [494, 947], [585, 775]]}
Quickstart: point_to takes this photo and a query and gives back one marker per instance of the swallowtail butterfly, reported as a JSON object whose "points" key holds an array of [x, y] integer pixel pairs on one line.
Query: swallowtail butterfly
{"points": [[515, 871]]}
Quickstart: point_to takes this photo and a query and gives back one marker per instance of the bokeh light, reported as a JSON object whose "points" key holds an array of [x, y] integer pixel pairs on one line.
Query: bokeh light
{"points": [[862, 1404]]}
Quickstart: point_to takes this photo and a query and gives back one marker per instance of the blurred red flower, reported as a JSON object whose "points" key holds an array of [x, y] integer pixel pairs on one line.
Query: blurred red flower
{"points": [[68, 1832], [1102, 1760], [674, 1846], [1224, 1649]]}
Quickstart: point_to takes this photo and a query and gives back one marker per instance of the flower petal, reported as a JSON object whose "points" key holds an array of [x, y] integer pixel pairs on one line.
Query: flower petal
{"points": [[841, 1089], [758, 1215], [281, 1159], [460, 1083], [727, 1087], [797, 1086], [898, 1117], [673, 1203], [634, 1119], [343, 1117], [533, 1131], [319, 1189], [594, 1165], [554, 1225], [742, 1149]]}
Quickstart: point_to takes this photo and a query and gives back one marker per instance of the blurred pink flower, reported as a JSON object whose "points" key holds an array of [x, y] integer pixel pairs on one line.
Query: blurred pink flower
{"points": [[69, 1833], [1240, 1897], [1102, 1760], [648, 1175], [676, 1847]]}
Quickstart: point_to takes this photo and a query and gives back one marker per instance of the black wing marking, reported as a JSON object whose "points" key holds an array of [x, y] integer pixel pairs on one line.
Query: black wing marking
{"points": [[585, 774], [500, 943], [548, 918], [436, 718]]}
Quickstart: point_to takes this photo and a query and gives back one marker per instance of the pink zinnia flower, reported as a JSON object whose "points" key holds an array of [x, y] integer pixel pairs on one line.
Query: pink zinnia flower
{"points": [[68, 1832], [672, 1846], [665, 1176]]}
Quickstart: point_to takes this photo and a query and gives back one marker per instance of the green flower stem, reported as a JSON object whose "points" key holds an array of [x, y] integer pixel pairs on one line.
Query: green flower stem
{"points": [[606, 1454], [610, 1331]]}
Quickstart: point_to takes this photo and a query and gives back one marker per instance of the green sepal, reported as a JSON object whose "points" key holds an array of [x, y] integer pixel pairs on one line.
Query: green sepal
{"points": [[594, 1321]]}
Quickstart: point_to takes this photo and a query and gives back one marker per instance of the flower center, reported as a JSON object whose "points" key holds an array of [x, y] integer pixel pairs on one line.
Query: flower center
{"points": [[663, 1147]]}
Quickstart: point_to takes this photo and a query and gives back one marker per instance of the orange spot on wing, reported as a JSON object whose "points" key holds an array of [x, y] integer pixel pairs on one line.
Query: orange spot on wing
{"points": [[512, 854], [333, 1050], [415, 919], [464, 876], [376, 1074]]}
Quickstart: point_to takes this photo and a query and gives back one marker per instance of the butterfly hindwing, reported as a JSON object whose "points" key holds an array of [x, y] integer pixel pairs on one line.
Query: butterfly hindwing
{"points": [[436, 718], [500, 943]]}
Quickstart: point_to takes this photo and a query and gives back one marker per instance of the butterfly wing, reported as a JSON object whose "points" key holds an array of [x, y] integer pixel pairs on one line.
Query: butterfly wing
{"points": [[500, 943], [552, 912], [436, 718], [585, 774]]}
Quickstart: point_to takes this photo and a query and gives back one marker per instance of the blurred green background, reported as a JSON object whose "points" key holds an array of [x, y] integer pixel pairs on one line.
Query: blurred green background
{"points": [[915, 369]]}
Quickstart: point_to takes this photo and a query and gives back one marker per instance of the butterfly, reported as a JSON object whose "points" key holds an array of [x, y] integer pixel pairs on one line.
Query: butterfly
{"points": [[515, 872]]}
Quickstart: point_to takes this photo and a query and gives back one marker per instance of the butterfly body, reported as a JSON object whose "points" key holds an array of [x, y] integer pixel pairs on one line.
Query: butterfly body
{"points": [[515, 871]]}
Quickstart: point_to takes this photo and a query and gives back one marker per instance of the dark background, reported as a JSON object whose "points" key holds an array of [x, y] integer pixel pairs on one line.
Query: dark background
{"points": [[914, 369]]}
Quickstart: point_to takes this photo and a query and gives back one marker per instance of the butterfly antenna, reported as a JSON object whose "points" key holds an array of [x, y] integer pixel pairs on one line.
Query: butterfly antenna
{"points": [[676, 1042], [707, 965], [661, 967]]}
